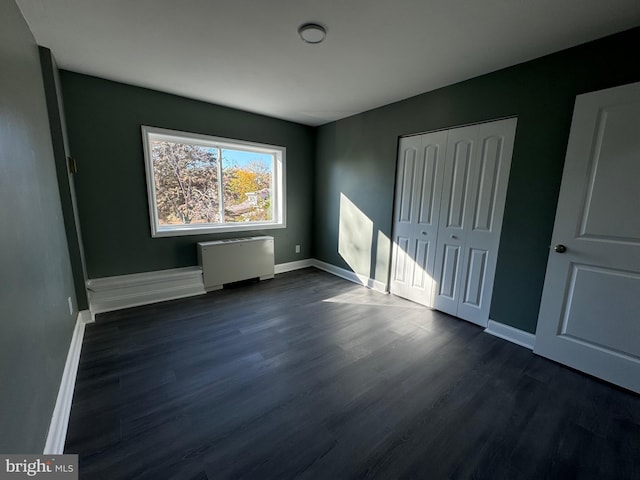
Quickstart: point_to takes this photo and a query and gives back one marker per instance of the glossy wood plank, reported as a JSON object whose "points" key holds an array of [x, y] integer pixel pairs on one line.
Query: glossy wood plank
{"points": [[310, 376]]}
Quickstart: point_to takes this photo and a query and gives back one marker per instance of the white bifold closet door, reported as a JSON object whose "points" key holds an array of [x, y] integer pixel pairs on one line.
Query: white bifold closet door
{"points": [[471, 196], [417, 204]]}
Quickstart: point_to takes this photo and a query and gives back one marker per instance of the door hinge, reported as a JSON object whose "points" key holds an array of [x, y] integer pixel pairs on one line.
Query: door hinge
{"points": [[73, 167]]}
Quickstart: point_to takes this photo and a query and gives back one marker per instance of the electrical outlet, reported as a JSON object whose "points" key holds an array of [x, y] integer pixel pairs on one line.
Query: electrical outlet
{"points": [[297, 248], [70, 306]]}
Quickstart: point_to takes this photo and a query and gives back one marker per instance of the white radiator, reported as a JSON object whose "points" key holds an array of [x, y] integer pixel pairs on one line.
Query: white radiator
{"points": [[227, 261]]}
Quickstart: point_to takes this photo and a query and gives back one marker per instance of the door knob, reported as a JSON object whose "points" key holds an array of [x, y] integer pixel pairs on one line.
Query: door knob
{"points": [[424, 233], [560, 248]]}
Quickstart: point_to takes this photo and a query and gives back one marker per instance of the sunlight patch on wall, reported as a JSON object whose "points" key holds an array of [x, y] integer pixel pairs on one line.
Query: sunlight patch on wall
{"points": [[355, 237], [383, 257]]}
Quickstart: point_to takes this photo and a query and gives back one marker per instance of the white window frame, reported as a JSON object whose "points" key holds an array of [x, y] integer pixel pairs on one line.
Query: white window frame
{"points": [[278, 191]]}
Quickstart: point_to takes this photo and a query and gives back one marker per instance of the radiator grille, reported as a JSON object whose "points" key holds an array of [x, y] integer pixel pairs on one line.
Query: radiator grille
{"points": [[233, 260]]}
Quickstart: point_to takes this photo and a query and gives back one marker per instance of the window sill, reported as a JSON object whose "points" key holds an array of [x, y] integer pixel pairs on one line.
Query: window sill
{"points": [[183, 230]]}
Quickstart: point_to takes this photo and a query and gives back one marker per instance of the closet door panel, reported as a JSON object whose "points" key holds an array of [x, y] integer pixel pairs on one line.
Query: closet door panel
{"points": [[457, 183], [491, 158], [447, 275], [474, 279], [487, 195], [417, 210], [454, 215], [408, 164]]}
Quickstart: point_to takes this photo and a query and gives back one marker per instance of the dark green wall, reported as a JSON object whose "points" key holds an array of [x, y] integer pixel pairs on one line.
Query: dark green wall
{"points": [[36, 279], [357, 157], [66, 187], [103, 120]]}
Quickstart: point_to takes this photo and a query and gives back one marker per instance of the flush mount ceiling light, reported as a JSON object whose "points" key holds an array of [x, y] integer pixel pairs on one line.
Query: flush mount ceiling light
{"points": [[312, 32]]}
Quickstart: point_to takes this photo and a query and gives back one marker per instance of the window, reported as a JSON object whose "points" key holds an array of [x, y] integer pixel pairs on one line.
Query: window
{"points": [[203, 184]]}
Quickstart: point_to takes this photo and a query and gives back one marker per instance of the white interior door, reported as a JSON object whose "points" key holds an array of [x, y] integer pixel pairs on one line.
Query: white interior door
{"points": [[590, 310], [417, 207], [475, 186]]}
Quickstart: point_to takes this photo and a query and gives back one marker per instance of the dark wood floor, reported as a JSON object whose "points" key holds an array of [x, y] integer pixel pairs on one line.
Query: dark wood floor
{"points": [[312, 377]]}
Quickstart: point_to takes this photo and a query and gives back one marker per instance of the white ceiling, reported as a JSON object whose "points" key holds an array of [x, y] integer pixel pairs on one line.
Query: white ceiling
{"points": [[247, 53]]}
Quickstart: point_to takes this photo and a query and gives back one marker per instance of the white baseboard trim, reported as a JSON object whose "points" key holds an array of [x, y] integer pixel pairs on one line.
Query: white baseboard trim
{"points": [[87, 317], [512, 334], [57, 434], [124, 291], [351, 276], [290, 266]]}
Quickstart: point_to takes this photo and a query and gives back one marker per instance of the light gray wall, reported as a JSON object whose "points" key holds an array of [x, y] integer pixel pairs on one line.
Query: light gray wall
{"points": [[36, 278]]}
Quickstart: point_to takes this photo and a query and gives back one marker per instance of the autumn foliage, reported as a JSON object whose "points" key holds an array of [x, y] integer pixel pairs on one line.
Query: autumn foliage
{"points": [[196, 184]]}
